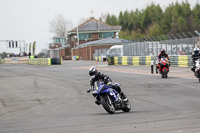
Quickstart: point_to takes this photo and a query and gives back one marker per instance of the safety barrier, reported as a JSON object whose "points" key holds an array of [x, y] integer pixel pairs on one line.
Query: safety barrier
{"points": [[39, 61], [179, 61], [2, 61], [16, 60], [56, 61]]}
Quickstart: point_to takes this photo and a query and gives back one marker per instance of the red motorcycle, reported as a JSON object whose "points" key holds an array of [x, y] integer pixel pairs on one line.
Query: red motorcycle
{"points": [[164, 67]]}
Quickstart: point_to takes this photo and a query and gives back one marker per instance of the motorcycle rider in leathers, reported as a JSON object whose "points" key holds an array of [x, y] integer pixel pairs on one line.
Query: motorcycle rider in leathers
{"points": [[96, 76], [162, 54], [194, 57]]}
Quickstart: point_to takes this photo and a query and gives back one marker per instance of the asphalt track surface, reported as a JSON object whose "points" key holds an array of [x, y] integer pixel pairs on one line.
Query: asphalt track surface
{"points": [[53, 99]]}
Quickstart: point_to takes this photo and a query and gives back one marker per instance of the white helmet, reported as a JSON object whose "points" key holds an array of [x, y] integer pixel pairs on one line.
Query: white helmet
{"points": [[196, 51]]}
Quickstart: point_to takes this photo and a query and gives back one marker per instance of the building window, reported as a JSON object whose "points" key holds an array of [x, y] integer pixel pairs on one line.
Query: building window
{"points": [[89, 36], [82, 36], [57, 40], [108, 34], [100, 35], [72, 38]]}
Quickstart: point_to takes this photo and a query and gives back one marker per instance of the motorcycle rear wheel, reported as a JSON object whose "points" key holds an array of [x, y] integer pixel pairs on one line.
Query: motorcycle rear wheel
{"points": [[108, 104]]}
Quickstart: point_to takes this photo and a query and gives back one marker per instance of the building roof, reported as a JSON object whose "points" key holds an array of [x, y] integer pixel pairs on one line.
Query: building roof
{"points": [[106, 41], [96, 25]]}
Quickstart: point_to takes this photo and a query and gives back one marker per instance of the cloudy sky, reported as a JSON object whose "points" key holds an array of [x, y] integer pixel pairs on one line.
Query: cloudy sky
{"points": [[29, 19]]}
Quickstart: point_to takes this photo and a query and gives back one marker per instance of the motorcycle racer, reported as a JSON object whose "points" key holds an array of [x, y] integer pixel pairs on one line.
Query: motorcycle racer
{"points": [[162, 54], [96, 76], [194, 57]]}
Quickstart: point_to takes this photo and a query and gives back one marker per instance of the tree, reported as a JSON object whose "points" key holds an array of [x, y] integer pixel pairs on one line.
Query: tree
{"points": [[113, 20], [181, 24], [167, 19], [120, 20], [60, 26], [3, 55], [82, 20], [145, 20], [196, 17], [155, 30], [103, 17], [43, 53], [108, 19]]}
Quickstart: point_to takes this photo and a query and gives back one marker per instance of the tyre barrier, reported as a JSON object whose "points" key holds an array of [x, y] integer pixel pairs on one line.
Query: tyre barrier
{"points": [[40, 61], [56, 61], [179, 61]]}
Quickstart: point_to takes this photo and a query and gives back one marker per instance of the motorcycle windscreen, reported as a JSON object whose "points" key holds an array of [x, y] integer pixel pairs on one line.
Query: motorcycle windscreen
{"points": [[96, 85], [102, 88]]}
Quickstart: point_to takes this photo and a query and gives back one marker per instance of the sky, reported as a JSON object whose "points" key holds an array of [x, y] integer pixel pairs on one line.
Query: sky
{"points": [[28, 20]]}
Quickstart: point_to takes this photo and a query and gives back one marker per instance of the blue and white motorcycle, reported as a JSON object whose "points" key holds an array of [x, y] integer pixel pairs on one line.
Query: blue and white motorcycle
{"points": [[197, 69], [109, 98]]}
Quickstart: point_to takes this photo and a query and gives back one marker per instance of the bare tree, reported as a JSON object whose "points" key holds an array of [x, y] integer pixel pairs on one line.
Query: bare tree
{"points": [[82, 20], [103, 17], [60, 26]]}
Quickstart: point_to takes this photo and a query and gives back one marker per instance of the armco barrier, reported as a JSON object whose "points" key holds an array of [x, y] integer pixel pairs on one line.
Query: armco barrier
{"points": [[39, 61], [173, 60], [179, 61]]}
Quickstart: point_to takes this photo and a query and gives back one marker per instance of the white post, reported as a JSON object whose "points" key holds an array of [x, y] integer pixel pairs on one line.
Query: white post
{"points": [[152, 65], [77, 37]]}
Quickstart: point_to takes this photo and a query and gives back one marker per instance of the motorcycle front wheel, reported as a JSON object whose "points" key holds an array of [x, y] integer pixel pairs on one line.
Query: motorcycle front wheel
{"points": [[165, 73], [127, 107], [108, 104]]}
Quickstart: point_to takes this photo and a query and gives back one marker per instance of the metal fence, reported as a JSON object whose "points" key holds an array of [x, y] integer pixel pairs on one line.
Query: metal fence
{"points": [[52, 53], [152, 46], [100, 52]]}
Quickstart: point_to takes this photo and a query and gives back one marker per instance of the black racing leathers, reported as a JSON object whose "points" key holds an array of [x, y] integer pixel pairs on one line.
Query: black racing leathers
{"points": [[163, 55], [193, 59], [105, 78]]}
